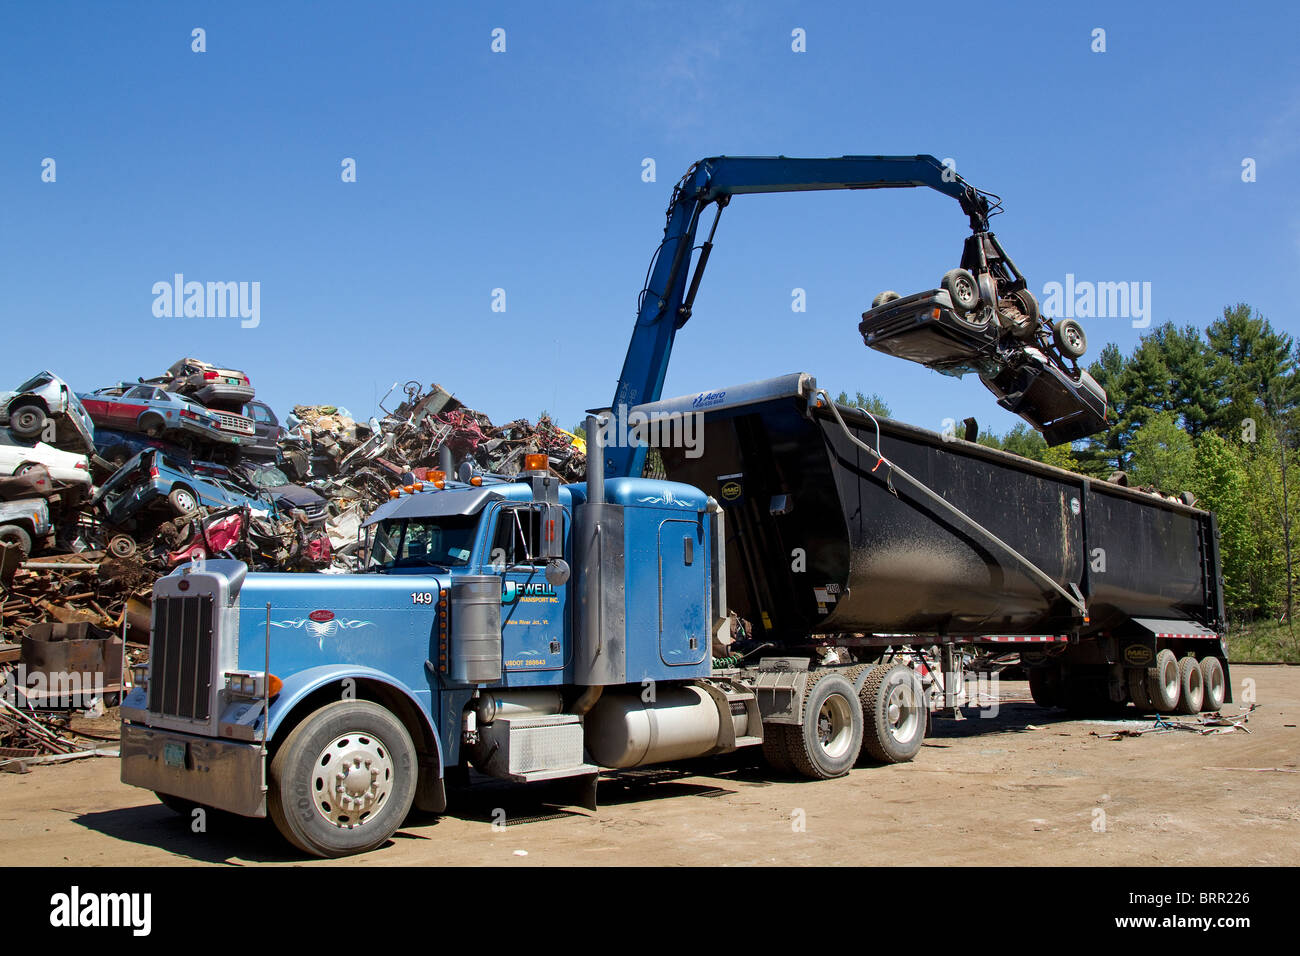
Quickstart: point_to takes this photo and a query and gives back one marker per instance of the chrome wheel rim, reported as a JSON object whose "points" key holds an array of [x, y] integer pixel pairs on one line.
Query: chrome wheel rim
{"points": [[1171, 679], [835, 726], [353, 776], [901, 713]]}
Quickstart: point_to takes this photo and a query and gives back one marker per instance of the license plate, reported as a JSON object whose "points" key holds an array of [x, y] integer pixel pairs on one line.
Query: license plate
{"points": [[174, 755], [232, 381]]}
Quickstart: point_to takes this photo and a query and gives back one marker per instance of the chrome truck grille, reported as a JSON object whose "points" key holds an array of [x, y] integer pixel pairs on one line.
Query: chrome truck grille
{"points": [[180, 678]]}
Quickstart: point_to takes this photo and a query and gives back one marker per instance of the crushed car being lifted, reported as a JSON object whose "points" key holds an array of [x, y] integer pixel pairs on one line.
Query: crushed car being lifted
{"points": [[984, 319]]}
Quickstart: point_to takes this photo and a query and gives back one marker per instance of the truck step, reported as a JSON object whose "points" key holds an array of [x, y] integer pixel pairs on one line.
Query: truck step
{"points": [[533, 776]]}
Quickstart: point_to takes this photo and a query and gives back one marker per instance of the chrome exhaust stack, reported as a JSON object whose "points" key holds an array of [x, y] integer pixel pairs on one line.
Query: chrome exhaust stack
{"points": [[600, 650]]}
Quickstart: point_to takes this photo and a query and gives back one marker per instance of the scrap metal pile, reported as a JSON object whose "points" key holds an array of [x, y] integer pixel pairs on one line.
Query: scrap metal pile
{"points": [[103, 492], [355, 466]]}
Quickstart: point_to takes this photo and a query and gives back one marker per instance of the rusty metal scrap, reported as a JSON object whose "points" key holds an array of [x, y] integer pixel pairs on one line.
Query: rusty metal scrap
{"points": [[353, 465]]}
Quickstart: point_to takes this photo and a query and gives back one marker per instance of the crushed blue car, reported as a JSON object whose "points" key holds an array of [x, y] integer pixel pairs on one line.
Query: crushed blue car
{"points": [[155, 485]]}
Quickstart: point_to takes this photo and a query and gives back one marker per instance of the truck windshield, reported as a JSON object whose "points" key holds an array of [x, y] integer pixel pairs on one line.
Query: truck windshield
{"points": [[443, 541]]}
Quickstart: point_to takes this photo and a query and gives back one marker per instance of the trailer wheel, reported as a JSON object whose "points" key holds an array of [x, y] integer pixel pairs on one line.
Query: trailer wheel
{"points": [[1089, 697], [894, 714], [827, 742], [1191, 689], [775, 751], [1045, 685], [1214, 684], [343, 781], [962, 289], [1136, 678], [1163, 682]]}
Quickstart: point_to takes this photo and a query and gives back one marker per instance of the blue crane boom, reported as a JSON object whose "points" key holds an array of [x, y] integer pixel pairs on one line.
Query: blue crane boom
{"points": [[666, 301]]}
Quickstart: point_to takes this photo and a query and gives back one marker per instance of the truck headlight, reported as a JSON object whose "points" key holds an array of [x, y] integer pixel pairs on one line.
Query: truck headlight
{"points": [[253, 685]]}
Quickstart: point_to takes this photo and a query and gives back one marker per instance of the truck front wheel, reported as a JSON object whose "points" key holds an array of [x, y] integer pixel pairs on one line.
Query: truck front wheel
{"points": [[343, 781]]}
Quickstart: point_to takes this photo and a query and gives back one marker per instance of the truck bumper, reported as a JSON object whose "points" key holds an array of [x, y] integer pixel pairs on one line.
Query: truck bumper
{"points": [[220, 774]]}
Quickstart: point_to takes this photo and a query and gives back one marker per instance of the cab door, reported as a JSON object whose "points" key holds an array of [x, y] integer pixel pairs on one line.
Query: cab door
{"points": [[534, 613], [683, 592]]}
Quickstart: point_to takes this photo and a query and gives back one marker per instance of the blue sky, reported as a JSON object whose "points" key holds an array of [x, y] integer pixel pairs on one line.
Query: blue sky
{"points": [[522, 171]]}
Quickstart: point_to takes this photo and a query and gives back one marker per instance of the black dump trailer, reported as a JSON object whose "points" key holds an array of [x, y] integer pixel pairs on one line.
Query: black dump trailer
{"points": [[857, 532]]}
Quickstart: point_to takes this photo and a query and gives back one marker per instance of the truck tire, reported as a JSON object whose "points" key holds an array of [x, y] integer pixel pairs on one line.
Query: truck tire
{"points": [[1045, 685], [775, 751], [182, 500], [962, 289], [827, 742], [27, 421], [343, 780], [13, 534], [889, 295], [1138, 692], [1163, 682], [1191, 689], [1088, 697], [1214, 683], [894, 714]]}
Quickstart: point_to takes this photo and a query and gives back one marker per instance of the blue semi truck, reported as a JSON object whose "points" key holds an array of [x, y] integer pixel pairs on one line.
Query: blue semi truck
{"points": [[531, 631]]}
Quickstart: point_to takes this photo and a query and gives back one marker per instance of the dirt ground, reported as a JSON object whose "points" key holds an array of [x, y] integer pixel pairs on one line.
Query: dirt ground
{"points": [[1025, 787]]}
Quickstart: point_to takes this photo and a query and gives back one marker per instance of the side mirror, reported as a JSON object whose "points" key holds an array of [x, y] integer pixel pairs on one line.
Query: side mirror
{"points": [[557, 572], [552, 533]]}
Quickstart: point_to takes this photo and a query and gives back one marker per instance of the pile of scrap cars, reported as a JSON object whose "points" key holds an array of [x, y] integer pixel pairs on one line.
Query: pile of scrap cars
{"points": [[103, 491]]}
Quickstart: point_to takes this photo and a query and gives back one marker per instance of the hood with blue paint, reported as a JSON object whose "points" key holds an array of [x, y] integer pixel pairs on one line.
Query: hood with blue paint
{"points": [[383, 621]]}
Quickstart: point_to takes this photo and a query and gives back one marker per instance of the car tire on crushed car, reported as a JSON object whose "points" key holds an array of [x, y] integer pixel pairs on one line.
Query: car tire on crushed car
{"points": [[27, 421], [962, 289], [152, 425], [121, 546], [183, 501], [12, 534], [1070, 338], [889, 295]]}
